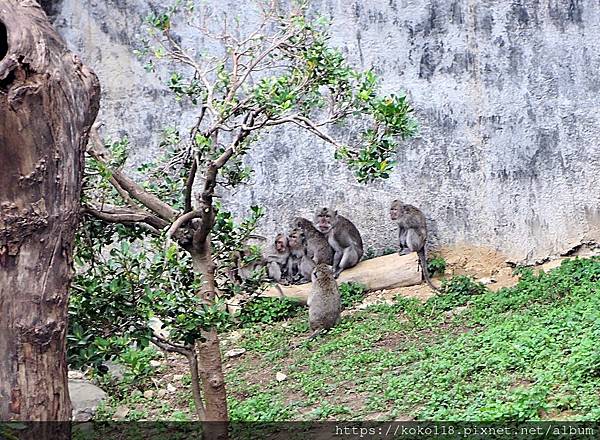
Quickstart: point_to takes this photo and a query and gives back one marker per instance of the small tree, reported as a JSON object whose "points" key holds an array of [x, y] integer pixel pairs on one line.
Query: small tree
{"points": [[282, 73]]}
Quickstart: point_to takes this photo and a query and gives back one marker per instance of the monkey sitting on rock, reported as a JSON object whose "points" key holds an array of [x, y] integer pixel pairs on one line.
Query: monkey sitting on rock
{"points": [[317, 246], [412, 234], [276, 259]]}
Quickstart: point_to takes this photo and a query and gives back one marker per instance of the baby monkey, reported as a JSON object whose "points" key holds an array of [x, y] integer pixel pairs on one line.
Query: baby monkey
{"points": [[412, 233], [300, 266], [276, 258]]}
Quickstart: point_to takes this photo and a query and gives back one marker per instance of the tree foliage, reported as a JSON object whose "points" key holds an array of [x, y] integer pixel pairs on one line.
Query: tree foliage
{"points": [[165, 247]]}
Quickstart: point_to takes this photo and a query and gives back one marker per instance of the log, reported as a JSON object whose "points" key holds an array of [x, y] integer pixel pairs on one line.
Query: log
{"points": [[386, 272], [48, 102]]}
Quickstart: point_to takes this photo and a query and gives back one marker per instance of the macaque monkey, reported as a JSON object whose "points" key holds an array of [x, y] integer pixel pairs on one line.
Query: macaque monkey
{"points": [[317, 246], [276, 258], [324, 303], [300, 266], [412, 233], [242, 270], [342, 236]]}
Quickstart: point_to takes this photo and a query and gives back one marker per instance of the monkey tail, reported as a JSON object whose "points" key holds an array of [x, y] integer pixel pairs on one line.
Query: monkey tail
{"points": [[310, 338], [315, 334], [423, 263], [278, 287]]}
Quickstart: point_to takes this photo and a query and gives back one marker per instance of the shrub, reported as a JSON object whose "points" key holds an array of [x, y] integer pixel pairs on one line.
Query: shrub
{"points": [[456, 292], [436, 265], [268, 310], [137, 362], [352, 293]]}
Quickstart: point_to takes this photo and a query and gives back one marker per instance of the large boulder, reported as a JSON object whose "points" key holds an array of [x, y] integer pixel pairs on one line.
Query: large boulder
{"points": [[85, 398]]}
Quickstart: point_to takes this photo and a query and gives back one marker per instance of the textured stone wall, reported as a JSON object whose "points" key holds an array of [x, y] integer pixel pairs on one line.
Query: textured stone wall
{"points": [[506, 92]]}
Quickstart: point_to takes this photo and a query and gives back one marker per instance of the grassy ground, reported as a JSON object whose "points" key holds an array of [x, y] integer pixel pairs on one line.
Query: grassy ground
{"points": [[527, 352]]}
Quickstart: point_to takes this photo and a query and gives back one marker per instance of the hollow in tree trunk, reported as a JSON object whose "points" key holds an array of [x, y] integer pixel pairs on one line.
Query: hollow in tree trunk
{"points": [[48, 102]]}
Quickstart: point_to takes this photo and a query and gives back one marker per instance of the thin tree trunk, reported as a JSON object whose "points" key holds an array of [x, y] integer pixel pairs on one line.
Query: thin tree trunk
{"points": [[196, 392], [210, 366], [48, 102], [213, 386]]}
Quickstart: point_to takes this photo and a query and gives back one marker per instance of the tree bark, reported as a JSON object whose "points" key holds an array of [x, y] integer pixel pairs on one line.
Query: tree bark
{"points": [[210, 365], [48, 102], [210, 368]]}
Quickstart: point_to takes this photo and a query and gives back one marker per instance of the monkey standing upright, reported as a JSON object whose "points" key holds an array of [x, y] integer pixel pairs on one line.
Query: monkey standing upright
{"points": [[343, 237], [324, 302], [412, 234], [317, 246]]}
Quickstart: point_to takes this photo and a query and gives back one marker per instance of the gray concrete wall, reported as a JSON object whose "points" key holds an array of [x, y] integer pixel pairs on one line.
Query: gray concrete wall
{"points": [[506, 93]]}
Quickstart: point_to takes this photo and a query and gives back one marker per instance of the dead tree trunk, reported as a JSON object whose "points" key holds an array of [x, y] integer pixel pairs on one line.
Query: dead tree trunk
{"points": [[48, 102], [385, 272]]}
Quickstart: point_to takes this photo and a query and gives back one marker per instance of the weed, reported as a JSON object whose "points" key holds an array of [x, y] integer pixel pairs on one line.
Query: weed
{"points": [[456, 292], [352, 293], [268, 310], [436, 265]]}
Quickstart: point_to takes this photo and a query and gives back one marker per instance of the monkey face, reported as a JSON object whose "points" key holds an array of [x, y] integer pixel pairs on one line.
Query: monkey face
{"points": [[325, 220], [296, 239], [281, 243], [395, 209]]}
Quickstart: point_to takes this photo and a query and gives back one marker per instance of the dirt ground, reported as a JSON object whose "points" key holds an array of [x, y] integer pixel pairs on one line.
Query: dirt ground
{"points": [[483, 264]]}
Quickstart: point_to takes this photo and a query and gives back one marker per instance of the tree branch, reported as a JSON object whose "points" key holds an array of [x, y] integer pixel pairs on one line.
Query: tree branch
{"points": [[189, 184], [300, 121], [169, 346], [146, 198], [185, 58], [312, 127], [211, 180], [196, 127], [190, 354], [193, 364], [118, 214], [149, 200], [255, 63], [180, 222], [124, 194]]}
